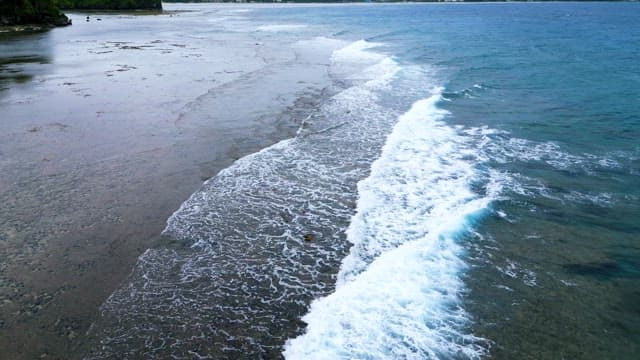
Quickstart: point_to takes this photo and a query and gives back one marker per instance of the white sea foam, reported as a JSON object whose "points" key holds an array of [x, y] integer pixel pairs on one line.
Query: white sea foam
{"points": [[504, 149], [324, 42], [281, 27], [514, 270], [238, 10], [398, 291], [348, 61], [357, 52], [498, 146]]}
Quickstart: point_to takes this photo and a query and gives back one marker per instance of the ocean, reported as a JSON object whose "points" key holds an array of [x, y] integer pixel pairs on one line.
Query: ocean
{"points": [[467, 186]]}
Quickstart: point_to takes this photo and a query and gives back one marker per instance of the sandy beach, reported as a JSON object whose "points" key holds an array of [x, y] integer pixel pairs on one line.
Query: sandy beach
{"points": [[107, 127]]}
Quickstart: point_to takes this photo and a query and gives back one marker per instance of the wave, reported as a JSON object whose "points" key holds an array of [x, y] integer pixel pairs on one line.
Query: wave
{"points": [[247, 253], [280, 27], [469, 93], [398, 291], [358, 52], [500, 150]]}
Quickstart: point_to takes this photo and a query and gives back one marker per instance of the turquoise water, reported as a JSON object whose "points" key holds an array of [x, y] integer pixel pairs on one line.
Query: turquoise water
{"points": [[555, 267], [472, 184]]}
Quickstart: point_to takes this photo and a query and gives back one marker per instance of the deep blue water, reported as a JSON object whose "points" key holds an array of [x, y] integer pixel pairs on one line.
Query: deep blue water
{"points": [[496, 156]]}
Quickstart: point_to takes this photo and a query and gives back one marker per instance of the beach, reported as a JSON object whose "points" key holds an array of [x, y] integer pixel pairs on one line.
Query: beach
{"points": [[115, 127]]}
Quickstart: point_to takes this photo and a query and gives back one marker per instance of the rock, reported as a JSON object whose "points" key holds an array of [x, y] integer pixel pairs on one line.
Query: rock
{"points": [[286, 216], [31, 12], [60, 20]]}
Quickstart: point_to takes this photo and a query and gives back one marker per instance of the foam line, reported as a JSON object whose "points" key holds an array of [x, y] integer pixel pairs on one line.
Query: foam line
{"points": [[398, 293]]}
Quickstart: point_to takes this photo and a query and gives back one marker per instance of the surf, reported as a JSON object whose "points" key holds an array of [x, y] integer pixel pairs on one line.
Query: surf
{"points": [[399, 291]]}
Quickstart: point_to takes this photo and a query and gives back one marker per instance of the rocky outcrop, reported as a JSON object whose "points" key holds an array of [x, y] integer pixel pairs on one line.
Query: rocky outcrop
{"points": [[31, 12]]}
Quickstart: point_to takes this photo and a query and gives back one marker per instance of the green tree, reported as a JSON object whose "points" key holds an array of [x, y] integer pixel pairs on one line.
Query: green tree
{"points": [[31, 12]]}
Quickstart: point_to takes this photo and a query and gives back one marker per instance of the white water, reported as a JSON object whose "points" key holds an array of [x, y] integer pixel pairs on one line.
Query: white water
{"points": [[398, 292], [245, 260], [281, 27]]}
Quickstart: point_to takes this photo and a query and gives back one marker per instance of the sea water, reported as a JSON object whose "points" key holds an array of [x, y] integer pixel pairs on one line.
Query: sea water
{"points": [[469, 187]]}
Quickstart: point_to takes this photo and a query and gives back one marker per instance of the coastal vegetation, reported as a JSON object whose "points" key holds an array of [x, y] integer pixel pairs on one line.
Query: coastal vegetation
{"points": [[47, 12], [21, 12], [110, 4]]}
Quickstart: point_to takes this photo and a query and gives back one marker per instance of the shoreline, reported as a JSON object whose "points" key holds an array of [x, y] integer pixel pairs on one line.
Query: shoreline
{"points": [[89, 189], [25, 28]]}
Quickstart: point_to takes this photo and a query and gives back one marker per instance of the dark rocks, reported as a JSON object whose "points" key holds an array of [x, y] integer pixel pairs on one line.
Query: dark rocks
{"points": [[286, 216], [42, 13], [58, 20]]}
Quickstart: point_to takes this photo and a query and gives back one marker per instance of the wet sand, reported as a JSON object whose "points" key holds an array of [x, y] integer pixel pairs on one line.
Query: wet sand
{"points": [[107, 127]]}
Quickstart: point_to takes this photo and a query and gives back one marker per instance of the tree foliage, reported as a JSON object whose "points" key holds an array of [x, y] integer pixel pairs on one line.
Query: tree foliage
{"points": [[109, 4], [30, 12]]}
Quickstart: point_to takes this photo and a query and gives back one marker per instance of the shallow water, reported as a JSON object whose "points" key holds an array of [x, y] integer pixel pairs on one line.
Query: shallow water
{"points": [[104, 141], [494, 151]]}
